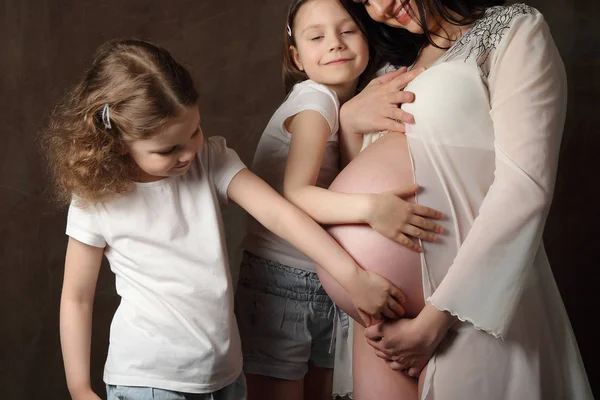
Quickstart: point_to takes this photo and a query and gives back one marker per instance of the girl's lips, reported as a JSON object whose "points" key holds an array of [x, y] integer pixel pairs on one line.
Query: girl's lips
{"points": [[338, 61]]}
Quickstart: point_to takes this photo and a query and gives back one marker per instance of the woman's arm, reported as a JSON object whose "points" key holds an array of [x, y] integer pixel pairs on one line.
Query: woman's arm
{"points": [[373, 296], [528, 95], [82, 266], [375, 106], [386, 212]]}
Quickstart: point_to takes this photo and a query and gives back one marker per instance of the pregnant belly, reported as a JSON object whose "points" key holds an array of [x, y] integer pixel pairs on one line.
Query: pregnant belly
{"points": [[383, 166]]}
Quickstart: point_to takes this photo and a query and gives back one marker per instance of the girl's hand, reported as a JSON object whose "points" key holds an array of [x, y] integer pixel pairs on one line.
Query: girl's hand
{"points": [[408, 344], [375, 298], [395, 218], [375, 108]]}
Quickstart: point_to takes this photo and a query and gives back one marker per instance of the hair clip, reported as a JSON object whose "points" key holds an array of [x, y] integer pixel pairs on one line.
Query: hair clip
{"points": [[106, 117], [289, 30]]}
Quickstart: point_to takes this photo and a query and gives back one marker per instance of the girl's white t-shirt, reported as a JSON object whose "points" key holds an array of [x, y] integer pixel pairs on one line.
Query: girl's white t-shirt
{"points": [[271, 157], [174, 328]]}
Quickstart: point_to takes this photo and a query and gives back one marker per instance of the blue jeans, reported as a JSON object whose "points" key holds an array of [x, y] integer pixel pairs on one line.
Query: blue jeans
{"points": [[285, 317], [235, 391]]}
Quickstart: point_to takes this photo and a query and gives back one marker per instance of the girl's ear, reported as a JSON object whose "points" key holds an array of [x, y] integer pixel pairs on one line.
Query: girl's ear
{"points": [[296, 57]]}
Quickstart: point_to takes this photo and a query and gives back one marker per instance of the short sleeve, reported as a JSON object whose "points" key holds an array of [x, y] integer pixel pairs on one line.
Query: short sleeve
{"points": [[223, 164], [82, 225], [310, 96]]}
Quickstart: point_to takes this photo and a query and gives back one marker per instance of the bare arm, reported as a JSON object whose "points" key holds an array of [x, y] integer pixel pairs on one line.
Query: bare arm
{"points": [[350, 145], [386, 212], [372, 295], [82, 266]]}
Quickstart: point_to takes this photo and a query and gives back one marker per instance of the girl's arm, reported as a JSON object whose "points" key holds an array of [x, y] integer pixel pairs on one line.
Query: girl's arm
{"points": [[350, 145], [385, 212], [373, 296], [82, 266]]}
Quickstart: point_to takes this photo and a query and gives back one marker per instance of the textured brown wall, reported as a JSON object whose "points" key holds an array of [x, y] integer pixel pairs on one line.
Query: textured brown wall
{"points": [[232, 48]]}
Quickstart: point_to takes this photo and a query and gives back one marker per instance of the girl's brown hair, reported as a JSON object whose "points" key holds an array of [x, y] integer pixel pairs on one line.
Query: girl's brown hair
{"points": [[143, 87], [291, 74]]}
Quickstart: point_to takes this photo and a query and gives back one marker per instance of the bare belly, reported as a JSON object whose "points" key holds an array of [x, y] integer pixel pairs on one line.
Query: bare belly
{"points": [[383, 166]]}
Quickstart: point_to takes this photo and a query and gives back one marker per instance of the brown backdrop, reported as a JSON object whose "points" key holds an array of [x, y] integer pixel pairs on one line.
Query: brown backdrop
{"points": [[233, 50]]}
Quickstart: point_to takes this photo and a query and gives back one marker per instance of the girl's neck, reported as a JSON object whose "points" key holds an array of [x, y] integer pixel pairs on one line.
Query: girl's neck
{"points": [[344, 91]]}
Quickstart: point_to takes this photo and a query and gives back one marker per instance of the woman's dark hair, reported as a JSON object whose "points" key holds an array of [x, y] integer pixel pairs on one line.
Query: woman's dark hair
{"points": [[400, 47], [291, 74]]}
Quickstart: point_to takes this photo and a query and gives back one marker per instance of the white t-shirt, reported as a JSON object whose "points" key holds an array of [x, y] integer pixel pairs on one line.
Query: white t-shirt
{"points": [[174, 328], [271, 158]]}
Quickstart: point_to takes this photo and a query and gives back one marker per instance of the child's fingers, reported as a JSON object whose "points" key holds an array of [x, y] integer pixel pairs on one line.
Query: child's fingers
{"points": [[406, 242], [426, 224], [427, 212], [407, 191], [420, 233]]}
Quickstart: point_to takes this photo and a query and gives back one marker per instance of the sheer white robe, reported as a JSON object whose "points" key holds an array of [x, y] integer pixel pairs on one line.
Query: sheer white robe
{"points": [[489, 119], [490, 115]]}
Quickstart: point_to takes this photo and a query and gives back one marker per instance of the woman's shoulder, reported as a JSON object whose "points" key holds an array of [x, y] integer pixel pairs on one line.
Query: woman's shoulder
{"points": [[487, 33], [504, 15]]}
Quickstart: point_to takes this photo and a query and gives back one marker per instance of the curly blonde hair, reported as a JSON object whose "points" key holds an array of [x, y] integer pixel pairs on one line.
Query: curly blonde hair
{"points": [[144, 88]]}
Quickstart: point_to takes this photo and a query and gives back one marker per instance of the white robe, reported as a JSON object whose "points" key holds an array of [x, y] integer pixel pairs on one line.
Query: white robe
{"points": [[489, 120]]}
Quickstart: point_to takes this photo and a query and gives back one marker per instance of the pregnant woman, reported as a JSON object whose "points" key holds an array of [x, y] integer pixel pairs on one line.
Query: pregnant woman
{"points": [[489, 114]]}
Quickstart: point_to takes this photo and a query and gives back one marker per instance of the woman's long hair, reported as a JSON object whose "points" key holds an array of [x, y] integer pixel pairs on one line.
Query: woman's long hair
{"points": [[400, 47]]}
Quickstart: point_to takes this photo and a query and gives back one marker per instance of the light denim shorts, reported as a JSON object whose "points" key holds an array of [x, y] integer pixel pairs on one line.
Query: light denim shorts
{"points": [[235, 391], [285, 317]]}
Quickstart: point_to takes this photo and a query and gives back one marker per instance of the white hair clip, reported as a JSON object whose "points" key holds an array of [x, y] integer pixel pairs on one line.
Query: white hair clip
{"points": [[289, 30], [106, 117]]}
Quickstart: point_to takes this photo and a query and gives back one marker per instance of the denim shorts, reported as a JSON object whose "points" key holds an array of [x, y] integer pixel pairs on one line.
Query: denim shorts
{"points": [[234, 391], [285, 317]]}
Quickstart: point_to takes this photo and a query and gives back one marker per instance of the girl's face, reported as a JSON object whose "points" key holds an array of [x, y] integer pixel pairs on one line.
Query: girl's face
{"points": [[171, 151], [394, 13], [330, 48]]}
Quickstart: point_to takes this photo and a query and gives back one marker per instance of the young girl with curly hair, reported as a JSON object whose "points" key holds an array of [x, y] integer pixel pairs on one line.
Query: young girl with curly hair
{"points": [[126, 149]]}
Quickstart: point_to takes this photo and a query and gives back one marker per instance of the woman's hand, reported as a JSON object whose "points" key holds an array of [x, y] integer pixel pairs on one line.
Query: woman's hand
{"points": [[408, 344], [395, 218], [375, 298], [375, 108]]}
